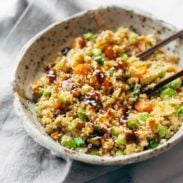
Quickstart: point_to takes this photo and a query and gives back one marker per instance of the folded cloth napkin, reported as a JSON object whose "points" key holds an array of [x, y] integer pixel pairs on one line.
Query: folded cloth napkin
{"points": [[21, 159]]}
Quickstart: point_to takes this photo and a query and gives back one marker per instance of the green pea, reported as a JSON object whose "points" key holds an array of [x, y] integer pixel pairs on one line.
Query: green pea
{"points": [[153, 143], [132, 124], [100, 60], [119, 153], [124, 56], [161, 74], [162, 131], [176, 83], [167, 92], [144, 116], [114, 131], [79, 142], [89, 36], [88, 53], [97, 52], [180, 110], [121, 140]]}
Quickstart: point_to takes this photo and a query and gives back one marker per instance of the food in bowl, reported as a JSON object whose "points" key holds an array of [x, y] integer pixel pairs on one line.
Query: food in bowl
{"points": [[89, 96]]}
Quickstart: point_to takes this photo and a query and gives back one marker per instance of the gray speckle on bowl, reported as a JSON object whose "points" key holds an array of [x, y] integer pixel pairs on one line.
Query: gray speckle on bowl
{"points": [[43, 47]]}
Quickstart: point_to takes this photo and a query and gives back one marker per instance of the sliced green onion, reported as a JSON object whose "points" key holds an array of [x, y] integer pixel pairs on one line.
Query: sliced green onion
{"points": [[144, 116], [100, 60], [132, 124], [176, 83], [136, 91], [121, 140], [97, 52], [89, 36], [162, 131], [79, 142], [111, 71], [82, 116], [167, 92], [119, 153], [68, 142], [135, 96], [124, 56], [47, 92], [41, 91], [153, 143]]}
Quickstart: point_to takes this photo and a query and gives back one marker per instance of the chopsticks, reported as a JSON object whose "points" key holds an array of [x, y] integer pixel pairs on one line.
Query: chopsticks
{"points": [[162, 83], [150, 51], [160, 44]]}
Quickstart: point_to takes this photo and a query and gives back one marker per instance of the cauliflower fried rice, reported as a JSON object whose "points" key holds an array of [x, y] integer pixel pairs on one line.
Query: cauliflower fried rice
{"points": [[89, 97]]}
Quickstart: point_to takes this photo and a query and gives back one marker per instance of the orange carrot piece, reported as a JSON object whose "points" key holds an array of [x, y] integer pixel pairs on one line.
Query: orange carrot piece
{"points": [[143, 106], [82, 69], [142, 71], [110, 53]]}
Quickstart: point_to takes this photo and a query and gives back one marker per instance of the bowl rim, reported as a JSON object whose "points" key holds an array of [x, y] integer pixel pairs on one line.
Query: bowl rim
{"points": [[60, 150]]}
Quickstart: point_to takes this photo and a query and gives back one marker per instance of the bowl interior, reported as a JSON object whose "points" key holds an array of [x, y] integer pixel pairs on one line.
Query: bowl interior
{"points": [[43, 48]]}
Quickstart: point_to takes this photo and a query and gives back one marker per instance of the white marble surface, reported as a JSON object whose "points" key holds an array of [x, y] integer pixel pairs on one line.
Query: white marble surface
{"points": [[24, 161]]}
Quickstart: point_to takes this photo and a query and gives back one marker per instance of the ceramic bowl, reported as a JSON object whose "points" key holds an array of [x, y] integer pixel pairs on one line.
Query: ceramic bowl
{"points": [[47, 43]]}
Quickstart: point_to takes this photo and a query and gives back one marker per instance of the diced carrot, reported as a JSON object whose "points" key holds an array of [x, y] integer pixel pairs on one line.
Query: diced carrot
{"points": [[82, 69], [57, 104], [143, 106], [110, 53], [141, 71], [106, 83]]}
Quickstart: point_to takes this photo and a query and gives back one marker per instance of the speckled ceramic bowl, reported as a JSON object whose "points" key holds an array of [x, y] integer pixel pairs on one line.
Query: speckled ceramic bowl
{"points": [[45, 46]]}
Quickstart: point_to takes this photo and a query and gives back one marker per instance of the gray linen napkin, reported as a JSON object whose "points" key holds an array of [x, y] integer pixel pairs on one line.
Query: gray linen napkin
{"points": [[21, 159], [24, 161]]}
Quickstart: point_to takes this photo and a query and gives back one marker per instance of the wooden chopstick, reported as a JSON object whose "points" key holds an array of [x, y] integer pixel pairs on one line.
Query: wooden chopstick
{"points": [[163, 83], [150, 51], [160, 44]]}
